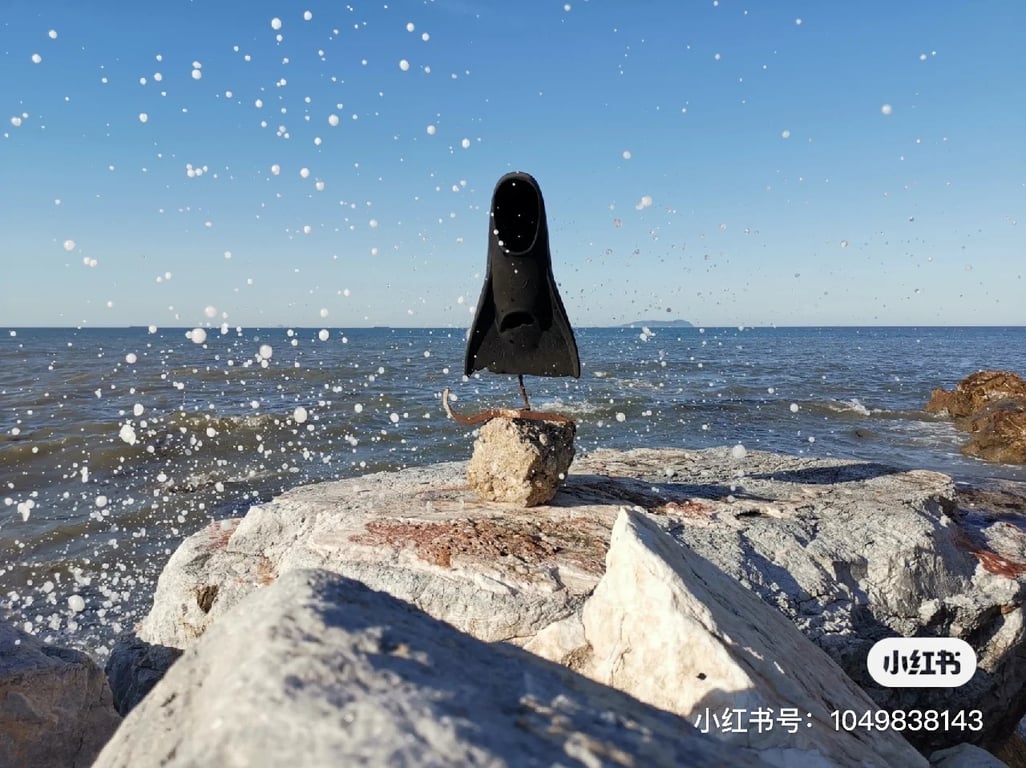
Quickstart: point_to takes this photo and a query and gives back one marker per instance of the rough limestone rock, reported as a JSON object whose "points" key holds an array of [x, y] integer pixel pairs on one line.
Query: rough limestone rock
{"points": [[854, 551], [134, 668], [849, 551], [991, 407], [965, 756], [975, 391], [318, 670], [668, 627], [422, 535], [521, 461], [997, 432], [55, 706]]}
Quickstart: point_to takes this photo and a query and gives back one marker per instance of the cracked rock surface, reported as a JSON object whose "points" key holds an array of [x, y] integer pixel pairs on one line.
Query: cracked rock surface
{"points": [[847, 551]]}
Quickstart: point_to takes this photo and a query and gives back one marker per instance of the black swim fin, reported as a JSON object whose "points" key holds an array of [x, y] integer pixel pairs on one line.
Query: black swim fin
{"points": [[520, 325]]}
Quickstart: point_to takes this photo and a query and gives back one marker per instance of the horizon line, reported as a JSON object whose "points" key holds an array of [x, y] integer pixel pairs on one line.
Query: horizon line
{"points": [[622, 326]]}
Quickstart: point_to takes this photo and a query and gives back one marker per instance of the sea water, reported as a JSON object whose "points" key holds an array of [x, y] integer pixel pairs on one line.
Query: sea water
{"points": [[115, 444]]}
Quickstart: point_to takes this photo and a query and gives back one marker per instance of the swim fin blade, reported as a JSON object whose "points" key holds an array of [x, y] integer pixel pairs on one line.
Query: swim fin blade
{"points": [[520, 325]]}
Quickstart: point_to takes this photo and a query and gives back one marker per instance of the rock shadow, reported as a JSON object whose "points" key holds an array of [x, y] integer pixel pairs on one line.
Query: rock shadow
{"points": [[134, 667], [546, 699], [582, 490], [844, 473]]}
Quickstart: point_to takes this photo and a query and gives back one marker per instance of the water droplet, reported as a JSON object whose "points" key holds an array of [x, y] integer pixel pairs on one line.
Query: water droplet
{"points": [[127, 434]]}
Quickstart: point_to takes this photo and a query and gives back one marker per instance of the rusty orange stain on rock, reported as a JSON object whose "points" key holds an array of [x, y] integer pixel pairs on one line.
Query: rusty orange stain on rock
{"points": [[484, 540]]}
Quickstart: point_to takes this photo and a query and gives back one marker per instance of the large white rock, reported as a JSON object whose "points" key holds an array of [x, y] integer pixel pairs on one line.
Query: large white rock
{"points": [[848, 551], [668, 627], [496, 571], [55, 706], [854, 551], [319, 671]]}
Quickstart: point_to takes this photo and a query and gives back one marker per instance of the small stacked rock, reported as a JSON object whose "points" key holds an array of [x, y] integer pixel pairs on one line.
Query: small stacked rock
{"points": [[521, 461]]}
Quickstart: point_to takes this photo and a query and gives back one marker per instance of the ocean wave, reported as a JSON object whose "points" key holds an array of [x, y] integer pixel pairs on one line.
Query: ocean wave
{"points": [[853, 404], [204, 422], [853, 407], [568, 407]]}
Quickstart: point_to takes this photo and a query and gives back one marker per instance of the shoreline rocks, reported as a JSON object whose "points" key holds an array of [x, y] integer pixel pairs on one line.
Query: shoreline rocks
{"points": [[991, 407], [55, 705], [848, 551], [667, 626], [320, 670]]}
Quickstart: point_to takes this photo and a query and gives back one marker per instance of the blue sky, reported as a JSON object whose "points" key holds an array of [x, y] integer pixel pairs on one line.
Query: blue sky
{"points": [[331, 164]]}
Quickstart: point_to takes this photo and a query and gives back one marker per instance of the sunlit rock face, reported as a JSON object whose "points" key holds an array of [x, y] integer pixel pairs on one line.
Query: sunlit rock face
{"points": [[521, 461], [55, 705], [849, 552], [975, 391], [667, 626], [991, 407], [367, 679]]}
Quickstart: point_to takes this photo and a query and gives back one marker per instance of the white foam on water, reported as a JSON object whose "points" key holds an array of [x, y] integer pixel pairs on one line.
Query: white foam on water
{"points": [[576, 407]]}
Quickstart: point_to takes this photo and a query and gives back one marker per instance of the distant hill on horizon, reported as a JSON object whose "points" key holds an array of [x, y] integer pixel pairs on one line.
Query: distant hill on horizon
{"points": [[659, 324]]}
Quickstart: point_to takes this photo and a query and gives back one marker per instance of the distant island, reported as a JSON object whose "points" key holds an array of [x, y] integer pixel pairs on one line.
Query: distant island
{"points": [[659, 324]]}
